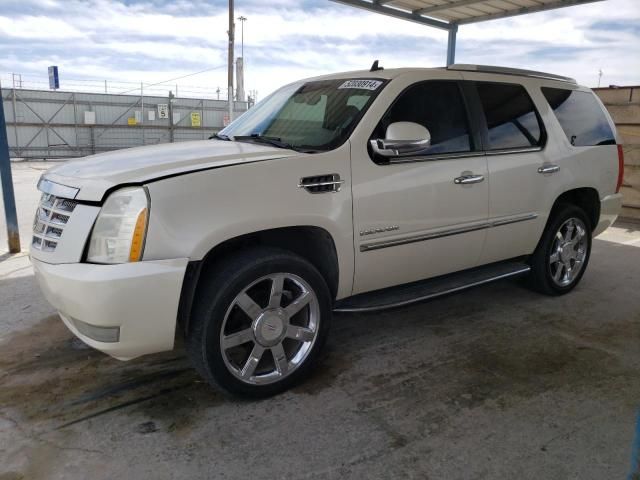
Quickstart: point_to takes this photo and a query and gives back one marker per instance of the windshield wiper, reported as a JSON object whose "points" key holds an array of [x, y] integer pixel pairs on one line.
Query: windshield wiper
{"points": [[220, 137], [273, 141]]}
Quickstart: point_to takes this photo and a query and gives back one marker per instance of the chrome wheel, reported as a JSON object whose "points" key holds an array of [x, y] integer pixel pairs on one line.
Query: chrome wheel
{"points": [[568, 252], [270, 328]]}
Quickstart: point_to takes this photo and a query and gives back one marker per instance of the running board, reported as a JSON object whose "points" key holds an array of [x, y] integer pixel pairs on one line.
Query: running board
{"points": [[426, 289]]}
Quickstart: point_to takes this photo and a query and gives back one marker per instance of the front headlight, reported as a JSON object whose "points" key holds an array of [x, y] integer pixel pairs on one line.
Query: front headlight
{"points": [[119, 233]]}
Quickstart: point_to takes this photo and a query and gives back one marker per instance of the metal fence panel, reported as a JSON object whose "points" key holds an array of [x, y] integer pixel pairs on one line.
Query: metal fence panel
{"points": [[55, 124]]}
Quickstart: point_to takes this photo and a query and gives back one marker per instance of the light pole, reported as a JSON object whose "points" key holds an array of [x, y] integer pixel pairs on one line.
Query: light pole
{"points": [[599, 77], [231, 33], [242, 20]]}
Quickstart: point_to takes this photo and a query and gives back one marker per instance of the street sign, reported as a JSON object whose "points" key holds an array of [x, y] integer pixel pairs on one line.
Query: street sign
{"points": [[195, 119], [54, 79], [163, 110]]}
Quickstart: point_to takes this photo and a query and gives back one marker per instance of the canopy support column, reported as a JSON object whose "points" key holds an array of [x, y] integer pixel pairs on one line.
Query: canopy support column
{"points": [[8, 197], [451, 45]]}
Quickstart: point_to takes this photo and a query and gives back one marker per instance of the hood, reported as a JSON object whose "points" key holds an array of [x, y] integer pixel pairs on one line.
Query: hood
{"points": [[96, 174]]}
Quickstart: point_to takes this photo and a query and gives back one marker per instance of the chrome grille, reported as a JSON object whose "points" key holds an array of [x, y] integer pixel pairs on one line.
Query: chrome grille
{"points": [[51, 217]]}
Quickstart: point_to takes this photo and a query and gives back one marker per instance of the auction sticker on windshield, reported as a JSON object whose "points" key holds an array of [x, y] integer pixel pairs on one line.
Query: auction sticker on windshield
{"points": [[361, 84]]}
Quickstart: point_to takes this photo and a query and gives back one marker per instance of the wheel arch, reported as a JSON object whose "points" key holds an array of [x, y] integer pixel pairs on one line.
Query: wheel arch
{"points": [[586, 198], [315, 244]]}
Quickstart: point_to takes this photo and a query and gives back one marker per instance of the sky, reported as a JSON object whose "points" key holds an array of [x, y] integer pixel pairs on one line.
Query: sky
{"points": [[152, 41]]}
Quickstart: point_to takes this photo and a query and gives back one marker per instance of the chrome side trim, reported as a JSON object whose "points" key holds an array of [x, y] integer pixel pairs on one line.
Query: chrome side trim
{"points": [[505, 151], [421, 238], [433, 158], [506, 221], [449, 156], [496, 222], [57, 189], [422, 298]]}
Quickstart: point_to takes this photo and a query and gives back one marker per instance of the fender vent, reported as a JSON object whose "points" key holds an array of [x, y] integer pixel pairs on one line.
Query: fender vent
{"points": [[330, 183]]}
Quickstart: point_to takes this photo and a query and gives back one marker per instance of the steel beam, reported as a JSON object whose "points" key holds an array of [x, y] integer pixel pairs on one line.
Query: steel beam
{"points": [[451, 45], [393, 12], [8, 197], [525, 10], [446, 6]]}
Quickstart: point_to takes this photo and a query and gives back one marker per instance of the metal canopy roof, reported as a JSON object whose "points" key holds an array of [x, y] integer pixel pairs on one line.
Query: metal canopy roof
{"points": [[445, 13], [448, 14]]}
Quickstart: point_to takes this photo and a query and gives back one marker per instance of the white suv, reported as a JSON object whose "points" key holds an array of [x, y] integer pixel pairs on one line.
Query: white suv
{"points": [[350, 192]]}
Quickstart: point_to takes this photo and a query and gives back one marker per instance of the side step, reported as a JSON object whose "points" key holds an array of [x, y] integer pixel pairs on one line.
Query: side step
{"points": [[426, 289]]}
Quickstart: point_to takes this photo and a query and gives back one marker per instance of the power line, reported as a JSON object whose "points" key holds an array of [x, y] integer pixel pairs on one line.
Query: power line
{"points": [[174, 79]]}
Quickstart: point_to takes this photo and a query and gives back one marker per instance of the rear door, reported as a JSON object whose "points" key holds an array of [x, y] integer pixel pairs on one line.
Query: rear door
{"points": [[522, 174]]}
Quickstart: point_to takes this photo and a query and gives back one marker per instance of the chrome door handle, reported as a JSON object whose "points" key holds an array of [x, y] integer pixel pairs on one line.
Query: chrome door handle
{"points": [[548, 169], [468, 179]]}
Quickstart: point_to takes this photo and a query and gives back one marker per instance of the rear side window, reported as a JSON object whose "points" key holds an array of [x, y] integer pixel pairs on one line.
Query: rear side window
{"points": [[580, 116], [438, 106], [512, 119]]}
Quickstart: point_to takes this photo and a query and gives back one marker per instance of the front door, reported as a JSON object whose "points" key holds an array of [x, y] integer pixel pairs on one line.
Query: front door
{"points": [[412, 220]]}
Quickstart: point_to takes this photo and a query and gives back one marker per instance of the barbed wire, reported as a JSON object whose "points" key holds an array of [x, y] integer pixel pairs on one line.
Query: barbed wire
{"points": [[118, 87]]}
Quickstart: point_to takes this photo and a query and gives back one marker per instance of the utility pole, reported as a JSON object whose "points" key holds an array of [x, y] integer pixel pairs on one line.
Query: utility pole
{"points": [[230, 61], [8, 197]]}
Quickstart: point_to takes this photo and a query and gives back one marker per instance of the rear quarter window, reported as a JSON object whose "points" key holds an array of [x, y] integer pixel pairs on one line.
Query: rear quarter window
{"points": [[580, 116]]}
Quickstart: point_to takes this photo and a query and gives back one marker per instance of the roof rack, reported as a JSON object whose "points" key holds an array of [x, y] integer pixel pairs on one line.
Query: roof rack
{"points": [[509, 71]]}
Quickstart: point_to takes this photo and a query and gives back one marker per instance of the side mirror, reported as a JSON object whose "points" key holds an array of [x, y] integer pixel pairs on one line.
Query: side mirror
{"points": [[402, 139]]}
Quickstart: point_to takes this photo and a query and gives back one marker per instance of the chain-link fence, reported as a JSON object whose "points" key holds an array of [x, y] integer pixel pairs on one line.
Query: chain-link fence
{"points": [[55, 124]]}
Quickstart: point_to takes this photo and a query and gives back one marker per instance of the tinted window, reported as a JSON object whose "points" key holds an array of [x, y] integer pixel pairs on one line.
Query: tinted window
{"points": [[438, 106], [580, 116], [512, 119]]}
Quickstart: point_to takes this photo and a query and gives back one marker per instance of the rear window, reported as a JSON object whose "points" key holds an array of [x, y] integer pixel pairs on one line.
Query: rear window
{"points": [[580, 116], [512, 119]]}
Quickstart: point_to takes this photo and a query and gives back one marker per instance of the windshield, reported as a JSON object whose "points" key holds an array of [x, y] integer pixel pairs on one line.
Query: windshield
{"points": [[313, 116]]}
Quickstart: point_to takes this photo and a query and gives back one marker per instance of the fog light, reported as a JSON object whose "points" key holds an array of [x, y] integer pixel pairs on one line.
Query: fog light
{"points": [[99, 334]]}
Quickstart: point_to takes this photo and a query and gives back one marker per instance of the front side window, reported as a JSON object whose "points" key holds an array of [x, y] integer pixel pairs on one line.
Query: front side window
{"points": [[580, 116], [309, 116], [437, 106], [512, 120]]}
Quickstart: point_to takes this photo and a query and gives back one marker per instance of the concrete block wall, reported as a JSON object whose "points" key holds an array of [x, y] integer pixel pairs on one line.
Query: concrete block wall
{"points": [[623, 104]]}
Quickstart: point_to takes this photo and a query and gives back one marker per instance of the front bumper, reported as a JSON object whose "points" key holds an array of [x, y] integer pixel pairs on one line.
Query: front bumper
{"points": [[124, 310], [610, 207]]}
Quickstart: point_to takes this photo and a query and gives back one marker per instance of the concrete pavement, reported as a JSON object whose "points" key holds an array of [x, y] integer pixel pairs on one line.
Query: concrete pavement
{"points": [[494, 383]]}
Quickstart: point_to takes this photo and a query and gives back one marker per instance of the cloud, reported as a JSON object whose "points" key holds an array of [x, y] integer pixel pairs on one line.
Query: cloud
{"points": [[153, 40]]}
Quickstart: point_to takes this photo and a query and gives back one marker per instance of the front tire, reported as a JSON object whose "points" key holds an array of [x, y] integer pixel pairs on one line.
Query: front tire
{"points": [[259, 322], [562, 255]]}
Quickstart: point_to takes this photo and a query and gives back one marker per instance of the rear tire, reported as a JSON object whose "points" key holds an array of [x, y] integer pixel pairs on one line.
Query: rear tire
{"points": [[259, 323], [563, 252]]}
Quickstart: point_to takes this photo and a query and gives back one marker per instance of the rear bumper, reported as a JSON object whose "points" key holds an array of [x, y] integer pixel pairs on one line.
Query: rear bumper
{"points": [[610, 207], [124, 310]]}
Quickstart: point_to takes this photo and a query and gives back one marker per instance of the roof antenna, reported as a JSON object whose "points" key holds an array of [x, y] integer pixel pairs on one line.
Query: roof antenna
{"points": [[375, 67]]}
